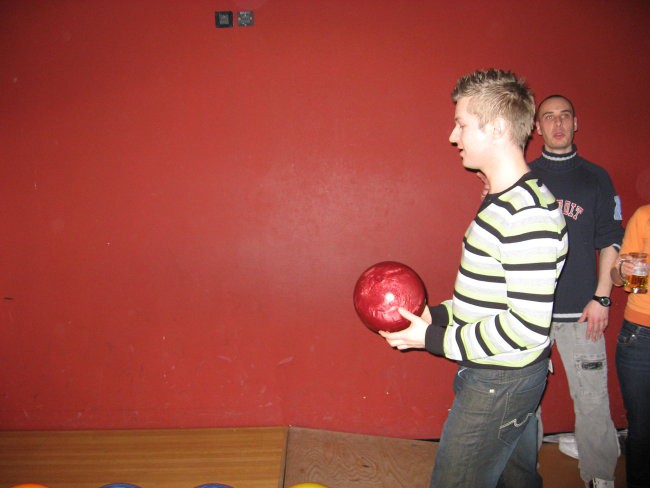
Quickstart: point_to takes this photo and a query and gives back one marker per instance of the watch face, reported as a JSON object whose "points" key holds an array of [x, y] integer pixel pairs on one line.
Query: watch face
{"points": [[604, 301]]}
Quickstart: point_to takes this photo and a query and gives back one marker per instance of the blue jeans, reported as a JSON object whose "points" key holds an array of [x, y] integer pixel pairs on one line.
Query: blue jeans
{"points": [[633, 367], [490, 437]]}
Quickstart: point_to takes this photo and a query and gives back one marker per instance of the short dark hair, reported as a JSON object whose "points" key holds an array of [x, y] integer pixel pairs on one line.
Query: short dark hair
{"points": [[557, 95]]}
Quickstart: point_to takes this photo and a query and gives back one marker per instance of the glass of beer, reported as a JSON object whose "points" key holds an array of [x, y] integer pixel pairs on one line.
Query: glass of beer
{"points": [[637, 281]]}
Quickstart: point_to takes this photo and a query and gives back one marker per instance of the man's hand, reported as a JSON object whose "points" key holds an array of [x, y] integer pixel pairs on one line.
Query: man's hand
{"points": [[413, 336], [597, 318]]}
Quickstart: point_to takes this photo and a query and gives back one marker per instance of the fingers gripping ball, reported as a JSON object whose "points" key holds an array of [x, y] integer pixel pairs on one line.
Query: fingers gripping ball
{"points": [[382, 289]]}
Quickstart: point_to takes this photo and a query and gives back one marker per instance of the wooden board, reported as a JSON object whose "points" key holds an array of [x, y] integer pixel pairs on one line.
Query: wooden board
{"points": [[342, 460], [183, 458], [243, 458]]}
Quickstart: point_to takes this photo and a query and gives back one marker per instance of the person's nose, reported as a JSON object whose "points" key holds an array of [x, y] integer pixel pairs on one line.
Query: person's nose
{"points": [[453, 136]]}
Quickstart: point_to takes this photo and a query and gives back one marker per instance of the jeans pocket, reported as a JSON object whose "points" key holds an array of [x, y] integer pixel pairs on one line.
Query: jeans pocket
{"points": [[520, 409], [626, 338]]}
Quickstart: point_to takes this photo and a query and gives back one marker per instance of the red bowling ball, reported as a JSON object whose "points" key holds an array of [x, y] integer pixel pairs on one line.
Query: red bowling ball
{"points": [[382, 289]]}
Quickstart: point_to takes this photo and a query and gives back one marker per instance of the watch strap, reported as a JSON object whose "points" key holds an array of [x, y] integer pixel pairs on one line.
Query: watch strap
{"points": [[604, 301]]}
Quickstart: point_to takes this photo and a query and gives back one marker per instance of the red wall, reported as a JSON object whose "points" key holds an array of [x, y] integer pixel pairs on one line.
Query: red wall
{"points": [[185, 209]]}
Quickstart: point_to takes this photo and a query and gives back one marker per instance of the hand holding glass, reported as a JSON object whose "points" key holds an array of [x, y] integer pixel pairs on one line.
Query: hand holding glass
{"points": [[637, 280]]}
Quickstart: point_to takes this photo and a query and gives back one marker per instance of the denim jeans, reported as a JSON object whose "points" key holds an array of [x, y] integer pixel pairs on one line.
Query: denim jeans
{"points": [[490, 437], [633, 367], [585, 363]]}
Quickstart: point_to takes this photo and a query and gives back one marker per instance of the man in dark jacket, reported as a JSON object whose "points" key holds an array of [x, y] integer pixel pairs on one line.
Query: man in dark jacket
{"points": [[592, 212]]}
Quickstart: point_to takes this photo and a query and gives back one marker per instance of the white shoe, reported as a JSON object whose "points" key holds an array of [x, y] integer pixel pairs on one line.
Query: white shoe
{"points": [[598, 483], [569, 446]]}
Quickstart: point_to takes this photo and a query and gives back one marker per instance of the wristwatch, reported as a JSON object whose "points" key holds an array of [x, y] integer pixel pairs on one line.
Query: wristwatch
{"points": [[604, 301]]}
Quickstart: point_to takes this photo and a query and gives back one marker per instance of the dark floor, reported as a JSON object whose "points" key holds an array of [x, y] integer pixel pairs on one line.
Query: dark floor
{"points": [[561, 471]]}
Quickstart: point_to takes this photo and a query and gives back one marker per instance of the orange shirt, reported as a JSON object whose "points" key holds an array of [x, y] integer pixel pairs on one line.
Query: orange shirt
{"points": [[637, 239]]}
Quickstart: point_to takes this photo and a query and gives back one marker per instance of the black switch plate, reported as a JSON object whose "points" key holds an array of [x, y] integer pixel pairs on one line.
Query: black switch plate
{"points": [[223, 19]]}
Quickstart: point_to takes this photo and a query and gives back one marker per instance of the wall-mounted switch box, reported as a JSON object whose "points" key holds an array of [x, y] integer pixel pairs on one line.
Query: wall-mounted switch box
{"points": [[223, 19], [245, 18]]}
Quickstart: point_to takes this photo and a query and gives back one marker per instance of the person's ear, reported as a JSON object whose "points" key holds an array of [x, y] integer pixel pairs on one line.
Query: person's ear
{"points": [[499, 128]]}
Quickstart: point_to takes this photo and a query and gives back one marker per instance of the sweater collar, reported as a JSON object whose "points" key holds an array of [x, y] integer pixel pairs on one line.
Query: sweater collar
{"points": [[568, 160]]}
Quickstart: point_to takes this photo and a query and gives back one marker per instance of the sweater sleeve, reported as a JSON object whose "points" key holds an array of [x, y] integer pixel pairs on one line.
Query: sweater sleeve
{"points": [[608, 231], [440, 319]]}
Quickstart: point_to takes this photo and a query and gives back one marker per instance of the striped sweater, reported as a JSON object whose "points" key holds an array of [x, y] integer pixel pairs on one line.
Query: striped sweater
{"points": [[513, 253]]}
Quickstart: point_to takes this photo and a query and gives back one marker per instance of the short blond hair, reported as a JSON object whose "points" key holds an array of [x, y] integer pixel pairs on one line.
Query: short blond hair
{"points": [[498, 93]]}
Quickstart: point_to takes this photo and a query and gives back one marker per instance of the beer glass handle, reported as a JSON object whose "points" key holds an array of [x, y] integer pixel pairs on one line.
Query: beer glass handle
{"points": [[620, 272]]}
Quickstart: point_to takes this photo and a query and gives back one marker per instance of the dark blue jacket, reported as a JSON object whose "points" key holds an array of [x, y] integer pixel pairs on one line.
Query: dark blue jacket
{"points": [[592, 211]]}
